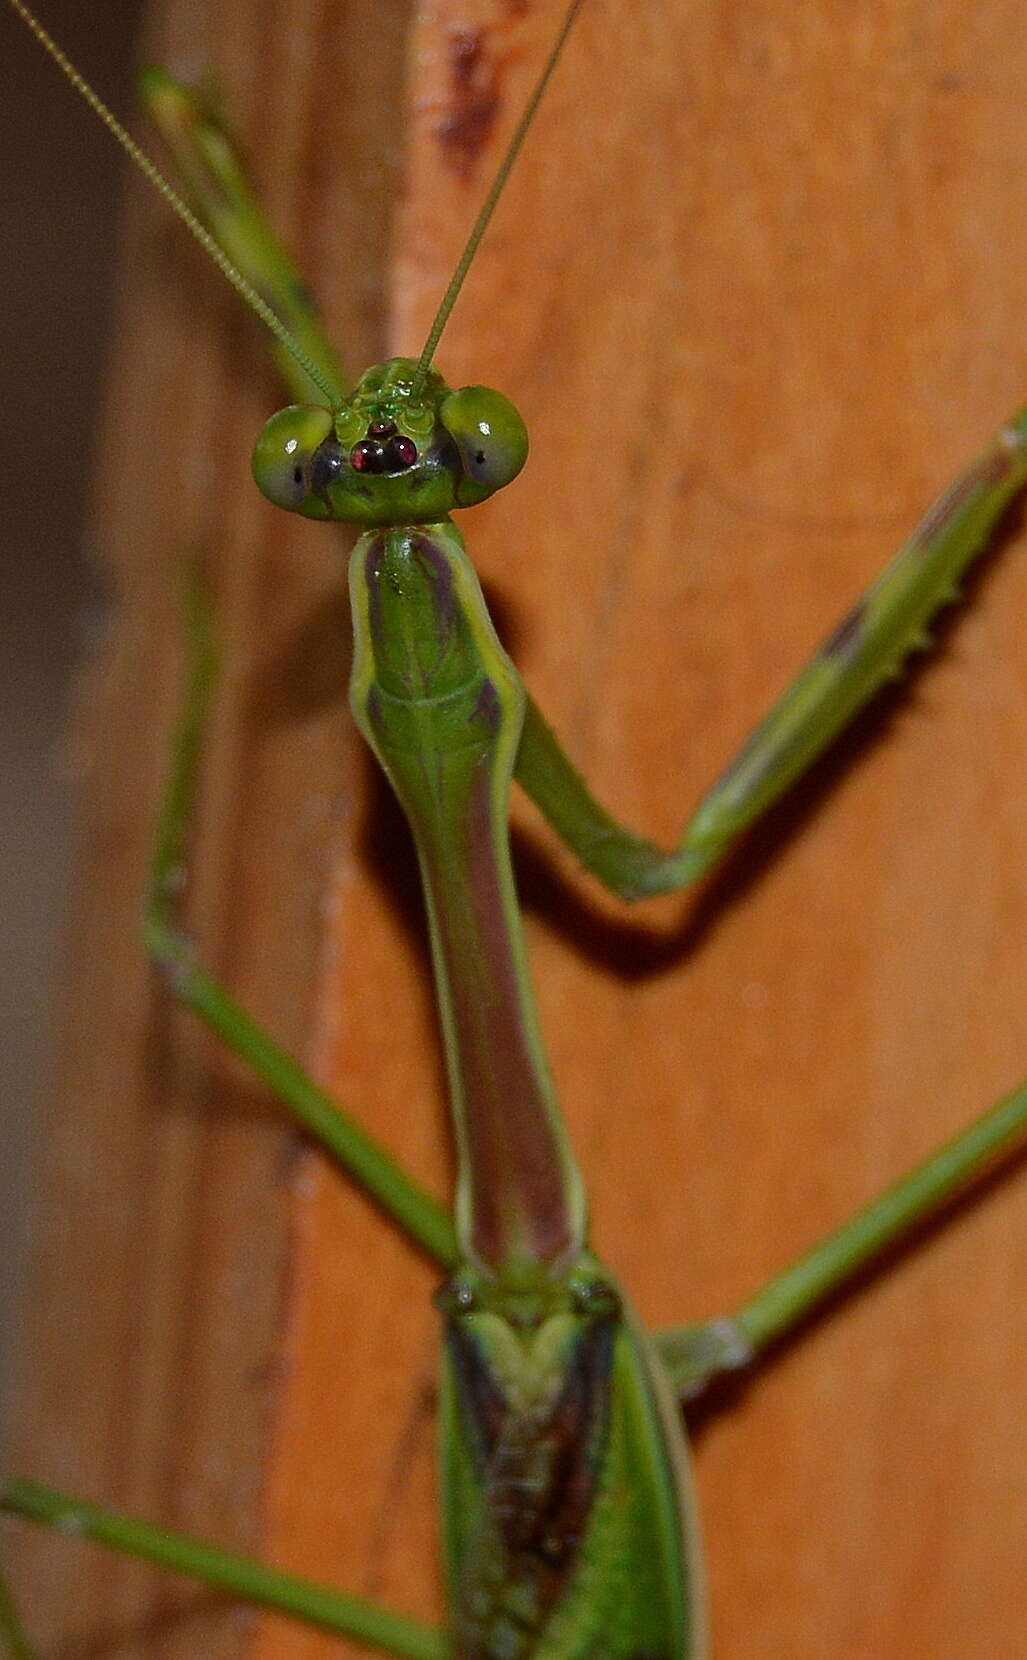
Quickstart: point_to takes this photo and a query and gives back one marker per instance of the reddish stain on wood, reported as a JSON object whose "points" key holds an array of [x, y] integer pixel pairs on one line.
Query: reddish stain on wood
{"points": [[474, 100]]}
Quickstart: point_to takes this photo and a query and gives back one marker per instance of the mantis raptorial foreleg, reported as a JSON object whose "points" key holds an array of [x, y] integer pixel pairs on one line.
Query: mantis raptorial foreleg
{"points": [[865, 650], [679, 1265]]}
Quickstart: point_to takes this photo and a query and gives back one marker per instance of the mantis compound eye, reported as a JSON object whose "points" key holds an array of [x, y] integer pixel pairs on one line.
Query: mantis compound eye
{"points": [[491, 439], [295, 458]]}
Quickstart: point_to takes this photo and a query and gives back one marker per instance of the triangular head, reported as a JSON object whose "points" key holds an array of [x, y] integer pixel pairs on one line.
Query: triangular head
{"points": [[404, 448]]}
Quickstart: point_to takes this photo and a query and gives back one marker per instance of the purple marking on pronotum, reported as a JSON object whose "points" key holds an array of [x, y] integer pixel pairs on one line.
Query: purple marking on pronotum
{"points": [[844, 640], [487, 707], [372, 571], [431, 555], [519, 1203], [388, 552]]}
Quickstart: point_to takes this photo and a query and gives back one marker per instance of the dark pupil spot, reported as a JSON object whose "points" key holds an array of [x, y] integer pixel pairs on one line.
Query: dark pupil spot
{"points": [[480, 458], [325, 466]]}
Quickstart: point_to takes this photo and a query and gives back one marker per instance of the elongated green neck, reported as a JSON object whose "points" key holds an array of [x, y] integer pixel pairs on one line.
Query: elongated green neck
{"points": [[442, 706]]}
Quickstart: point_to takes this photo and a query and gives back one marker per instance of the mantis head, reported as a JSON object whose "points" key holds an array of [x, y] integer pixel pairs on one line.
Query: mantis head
{"points": [[402, 449]]}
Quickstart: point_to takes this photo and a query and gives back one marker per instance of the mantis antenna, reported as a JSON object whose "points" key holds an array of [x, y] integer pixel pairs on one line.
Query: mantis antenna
{"points": [[231, 272], [150, 171], [488, 207]]}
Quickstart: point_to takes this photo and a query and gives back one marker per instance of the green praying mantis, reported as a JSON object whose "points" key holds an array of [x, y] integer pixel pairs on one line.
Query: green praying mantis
{"points": [[676, 1639]]}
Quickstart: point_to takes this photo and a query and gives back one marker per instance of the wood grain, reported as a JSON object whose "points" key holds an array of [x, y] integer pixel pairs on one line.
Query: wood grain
{"points": [[759, 288]]}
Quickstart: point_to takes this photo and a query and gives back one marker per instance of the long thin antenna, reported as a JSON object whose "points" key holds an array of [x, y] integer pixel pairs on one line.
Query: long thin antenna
{"points": [[489, 205], [150, 171]]}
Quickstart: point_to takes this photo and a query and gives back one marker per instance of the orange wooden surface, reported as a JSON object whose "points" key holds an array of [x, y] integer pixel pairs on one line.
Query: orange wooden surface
{"points": [[759, 287]]}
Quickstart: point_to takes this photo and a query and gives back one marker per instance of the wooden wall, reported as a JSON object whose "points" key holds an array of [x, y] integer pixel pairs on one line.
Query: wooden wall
{"points": [[759, 287]]}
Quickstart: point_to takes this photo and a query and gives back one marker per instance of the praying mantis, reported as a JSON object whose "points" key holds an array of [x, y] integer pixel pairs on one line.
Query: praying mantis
{"points": [[662, 1009]]}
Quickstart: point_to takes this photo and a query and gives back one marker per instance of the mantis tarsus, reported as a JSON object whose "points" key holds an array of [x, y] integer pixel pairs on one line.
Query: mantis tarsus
{"points": [[702, 507]]}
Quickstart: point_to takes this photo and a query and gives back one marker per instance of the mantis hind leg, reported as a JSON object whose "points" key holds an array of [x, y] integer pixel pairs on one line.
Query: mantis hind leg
{"points": [[420, 1216], [252, 1582], [425, 1221], [14, 1642], [694, 1355]]}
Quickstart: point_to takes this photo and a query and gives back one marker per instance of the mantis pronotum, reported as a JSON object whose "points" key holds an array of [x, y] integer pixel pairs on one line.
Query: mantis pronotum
{"points": [[754, 86]]}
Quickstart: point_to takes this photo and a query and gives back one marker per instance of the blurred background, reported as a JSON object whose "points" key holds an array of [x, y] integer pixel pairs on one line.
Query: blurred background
{"points": [[60, 186]]}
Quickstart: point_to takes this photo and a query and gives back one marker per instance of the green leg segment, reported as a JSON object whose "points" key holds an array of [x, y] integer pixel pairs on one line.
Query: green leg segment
{"points": [[694, 1355], [868, 647], [237, 1576], [421, 1216], [222, 199], [14, 1645]]}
